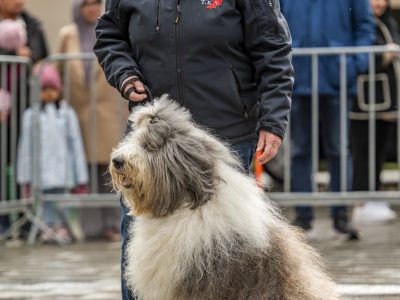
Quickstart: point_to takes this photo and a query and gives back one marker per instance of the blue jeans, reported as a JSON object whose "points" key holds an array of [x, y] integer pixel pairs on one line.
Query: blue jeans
{"points": [[301, 167], [244, 151], [50, 215]]}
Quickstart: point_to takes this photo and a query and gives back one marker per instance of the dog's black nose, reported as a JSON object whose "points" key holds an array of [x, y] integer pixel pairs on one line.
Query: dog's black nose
{"points": [[118, 163]]}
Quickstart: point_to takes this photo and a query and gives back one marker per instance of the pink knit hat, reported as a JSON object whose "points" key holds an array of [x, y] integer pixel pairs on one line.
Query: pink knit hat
{"points": [[12, 35], [49, 76]]}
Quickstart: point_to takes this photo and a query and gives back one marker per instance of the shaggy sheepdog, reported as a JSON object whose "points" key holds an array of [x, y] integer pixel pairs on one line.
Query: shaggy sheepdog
{"points": [[203, 229]]}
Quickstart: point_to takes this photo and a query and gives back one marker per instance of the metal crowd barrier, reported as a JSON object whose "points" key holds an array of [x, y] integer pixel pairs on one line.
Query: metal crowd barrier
{"points": [[344, 196], [14, 204], [93, 197], [11, 194], [287, 197]]}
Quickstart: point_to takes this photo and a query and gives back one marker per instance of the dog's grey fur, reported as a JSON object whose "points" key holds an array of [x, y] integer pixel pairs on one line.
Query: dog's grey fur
{"points": [[203, 230]]}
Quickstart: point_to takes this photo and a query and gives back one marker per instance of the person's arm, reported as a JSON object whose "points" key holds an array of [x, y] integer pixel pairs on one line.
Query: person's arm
{"points": [[385, 61], [39, 47], [363, 31], [76, 145], [24, 154], [44, 51], [268, 42], [23, 51], [113, 48], [36, 47]]}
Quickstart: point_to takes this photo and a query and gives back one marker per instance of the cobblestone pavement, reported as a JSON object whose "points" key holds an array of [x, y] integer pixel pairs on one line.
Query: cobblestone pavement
{"points": [[365, 270]]}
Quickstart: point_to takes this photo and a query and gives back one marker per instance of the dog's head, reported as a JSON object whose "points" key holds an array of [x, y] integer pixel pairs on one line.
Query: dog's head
{"points": [[167, 162]]}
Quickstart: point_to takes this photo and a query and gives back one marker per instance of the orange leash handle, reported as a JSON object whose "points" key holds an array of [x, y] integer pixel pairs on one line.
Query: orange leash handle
{"points": [[258, 169]]}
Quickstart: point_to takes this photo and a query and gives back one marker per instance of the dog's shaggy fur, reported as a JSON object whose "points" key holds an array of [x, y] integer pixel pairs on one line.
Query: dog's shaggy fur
{"points": [[203, 229]]}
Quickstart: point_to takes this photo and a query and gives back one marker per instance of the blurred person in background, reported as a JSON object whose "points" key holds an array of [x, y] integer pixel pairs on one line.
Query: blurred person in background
{"points": [[35, 47], [106, 117], [62, 158], [13, 36], [387, 75], [321, 23]]}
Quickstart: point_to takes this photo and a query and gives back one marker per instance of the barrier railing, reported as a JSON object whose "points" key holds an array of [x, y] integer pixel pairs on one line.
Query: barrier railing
{"points": [[344, 196], [89, 115], [13, 202]]}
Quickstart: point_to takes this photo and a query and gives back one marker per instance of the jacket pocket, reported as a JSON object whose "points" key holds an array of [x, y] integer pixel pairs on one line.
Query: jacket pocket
{"points": [[238, 91]]}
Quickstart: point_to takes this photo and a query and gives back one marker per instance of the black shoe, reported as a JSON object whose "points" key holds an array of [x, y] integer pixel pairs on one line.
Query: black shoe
{"points": [[302, 223], [341, 225]]}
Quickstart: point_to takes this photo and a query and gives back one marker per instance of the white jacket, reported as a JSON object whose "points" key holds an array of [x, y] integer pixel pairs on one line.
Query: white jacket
{"points": [[62, 157]]}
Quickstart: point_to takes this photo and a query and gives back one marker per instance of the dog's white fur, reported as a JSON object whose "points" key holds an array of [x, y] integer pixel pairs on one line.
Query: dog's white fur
{"points": [[173, 256]]}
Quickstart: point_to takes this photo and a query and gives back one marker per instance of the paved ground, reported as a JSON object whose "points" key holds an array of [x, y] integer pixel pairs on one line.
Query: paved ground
{"points": [[365, 270], [369, 269]]}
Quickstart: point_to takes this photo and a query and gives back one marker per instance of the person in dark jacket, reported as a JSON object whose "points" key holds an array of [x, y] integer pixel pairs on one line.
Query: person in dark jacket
{"points": [[321, 23], [36, 47], [228, 62], [387, 67]]}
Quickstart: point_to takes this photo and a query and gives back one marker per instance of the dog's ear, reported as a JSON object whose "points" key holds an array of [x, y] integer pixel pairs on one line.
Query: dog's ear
{"points": [[182, 174], [159, 121], [155, 134]]}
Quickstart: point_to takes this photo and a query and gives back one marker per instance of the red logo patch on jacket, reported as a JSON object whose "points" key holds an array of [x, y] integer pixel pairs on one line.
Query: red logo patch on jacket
{"points": [[211, 4]]}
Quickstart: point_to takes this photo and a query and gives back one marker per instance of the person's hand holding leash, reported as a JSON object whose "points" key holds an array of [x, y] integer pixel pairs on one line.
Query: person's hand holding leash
{"points": [[268, 145], [133, 90]]}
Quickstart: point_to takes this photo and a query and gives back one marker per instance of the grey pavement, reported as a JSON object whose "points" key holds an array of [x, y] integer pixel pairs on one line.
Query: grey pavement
{"points": [[365, 270]]}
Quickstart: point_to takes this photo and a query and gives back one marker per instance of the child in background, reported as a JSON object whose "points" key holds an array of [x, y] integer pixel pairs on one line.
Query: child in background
{"points": [[62, 159]]}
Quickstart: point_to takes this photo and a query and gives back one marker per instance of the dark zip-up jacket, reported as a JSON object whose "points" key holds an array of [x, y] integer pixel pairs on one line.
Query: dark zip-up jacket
{"points": [[227, 61]]}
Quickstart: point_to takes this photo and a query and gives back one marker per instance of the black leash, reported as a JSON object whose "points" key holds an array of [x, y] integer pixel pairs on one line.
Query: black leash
{"points": [[132, 89]]}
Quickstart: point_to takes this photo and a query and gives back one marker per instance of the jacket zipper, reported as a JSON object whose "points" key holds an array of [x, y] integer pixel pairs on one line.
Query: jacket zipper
{"points": [[178, 53], [178, 11], [158, 16]]}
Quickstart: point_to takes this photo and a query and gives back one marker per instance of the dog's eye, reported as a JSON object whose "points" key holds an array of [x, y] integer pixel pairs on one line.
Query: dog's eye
{"points": [[153, 120]]}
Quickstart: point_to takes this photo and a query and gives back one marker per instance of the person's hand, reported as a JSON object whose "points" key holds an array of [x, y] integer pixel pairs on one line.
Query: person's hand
{"points": [[135, 90], [80, 189], [388, 57], [24, 51], [268, 145]]}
